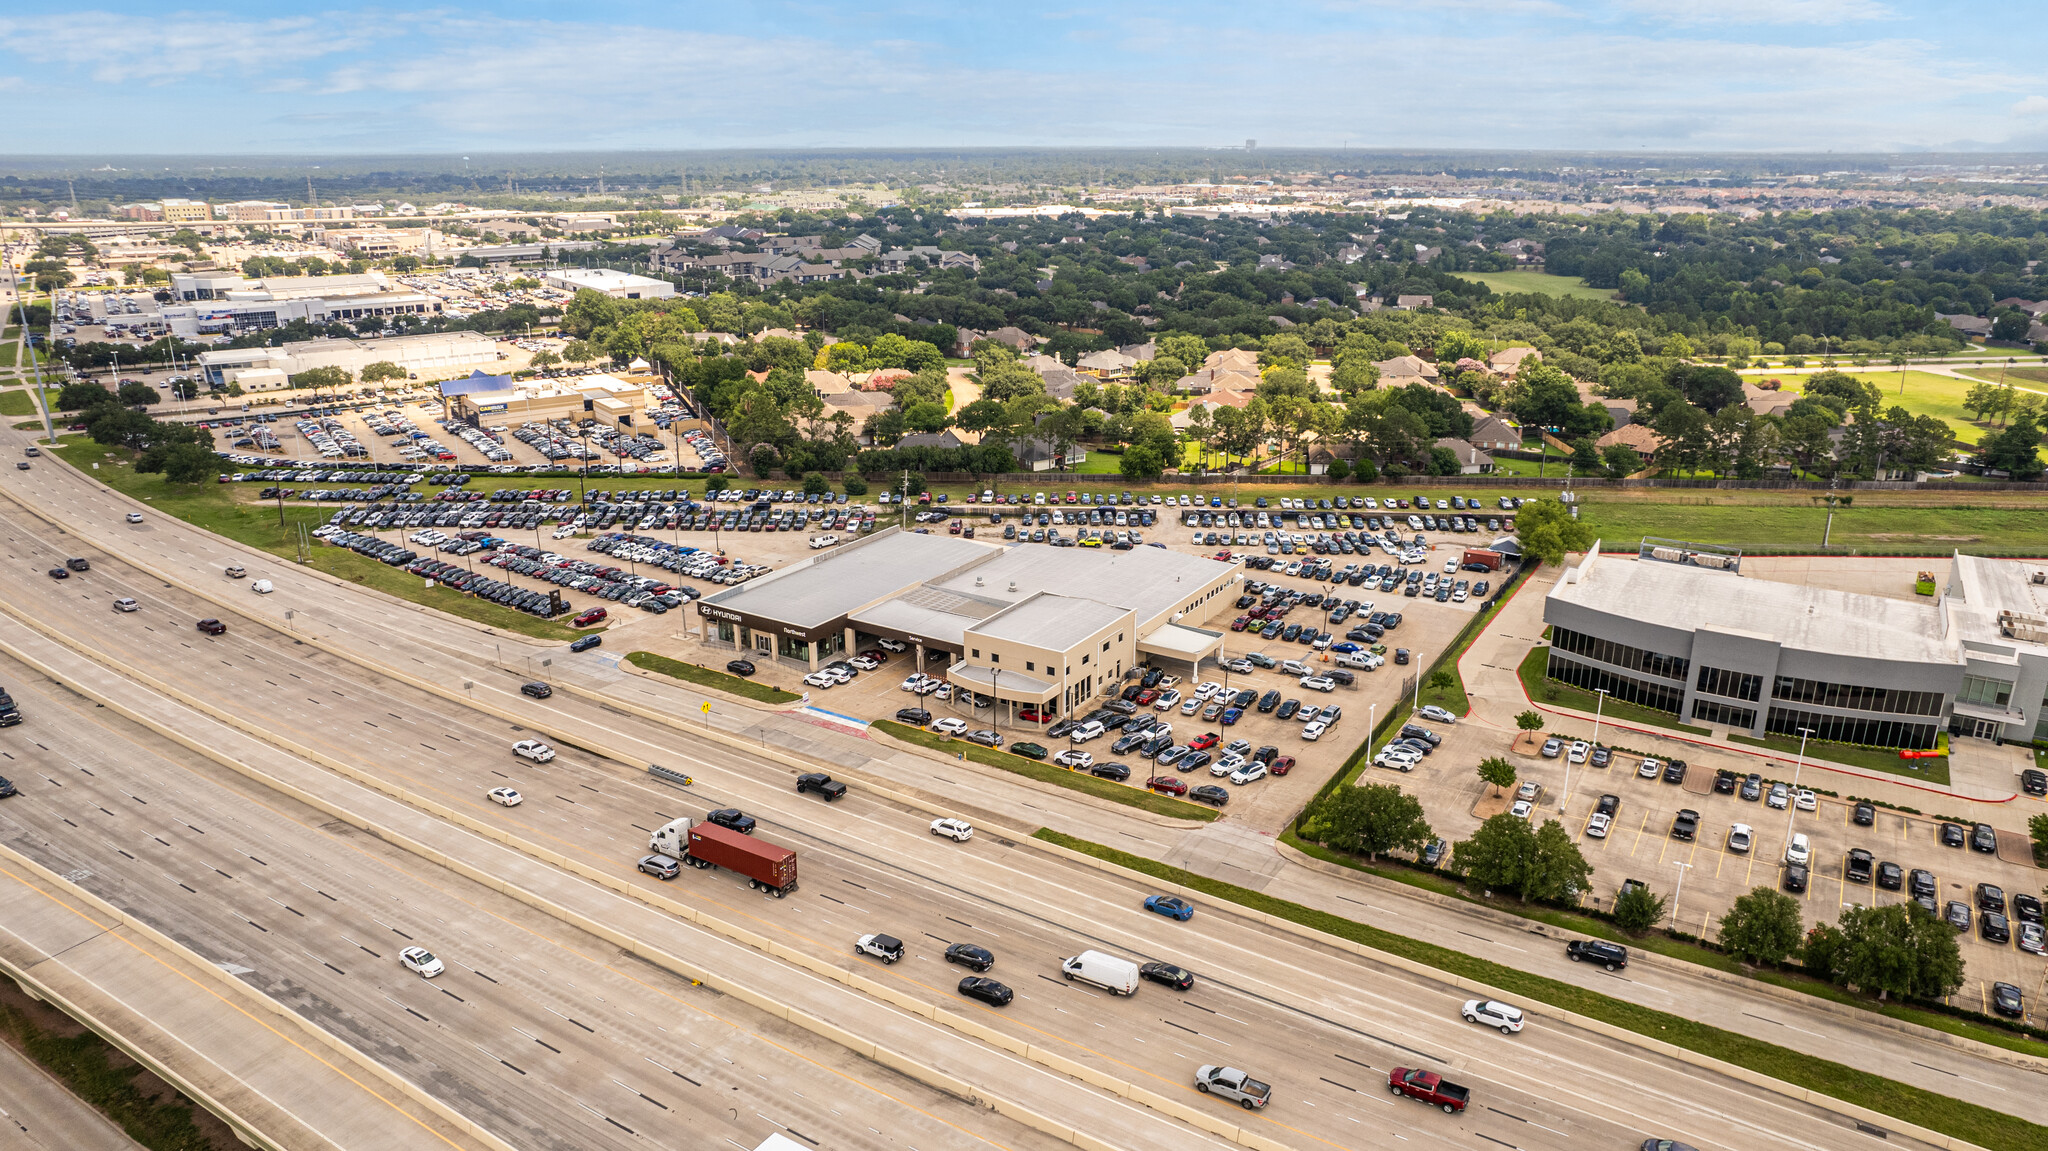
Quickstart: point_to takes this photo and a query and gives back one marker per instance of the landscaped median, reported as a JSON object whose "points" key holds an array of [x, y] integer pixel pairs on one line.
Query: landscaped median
{"points": [[705, 677], [1958, 1118], [1127, 794]]}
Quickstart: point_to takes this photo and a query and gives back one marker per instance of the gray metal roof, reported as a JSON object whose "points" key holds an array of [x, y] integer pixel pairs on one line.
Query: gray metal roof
{"points": [[821, 588], [1147, 580], [1046, 620]]}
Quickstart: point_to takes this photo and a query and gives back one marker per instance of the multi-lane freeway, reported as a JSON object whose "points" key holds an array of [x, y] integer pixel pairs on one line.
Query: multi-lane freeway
{"points": [[542, 1031]]}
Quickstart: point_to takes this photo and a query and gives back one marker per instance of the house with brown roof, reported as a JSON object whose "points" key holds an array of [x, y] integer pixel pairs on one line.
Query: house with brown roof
{"points": [[1208, 381], [1232, 360], [1106, 364], [1767, 401], [1646, 442], [1493, 434], [1508, 361], [1410, 303], [1403, 370], [827, 383]]}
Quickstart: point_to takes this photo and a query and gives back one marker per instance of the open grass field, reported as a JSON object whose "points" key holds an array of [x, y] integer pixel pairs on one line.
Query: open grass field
{"points": [[706, 677], [1540, 283], [17, 403], [1865, 527], [2018, 377], [217, 508]]}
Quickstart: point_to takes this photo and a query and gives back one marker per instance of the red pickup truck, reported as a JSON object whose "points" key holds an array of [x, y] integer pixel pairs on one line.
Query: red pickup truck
{"points": [[1429, 1087]]}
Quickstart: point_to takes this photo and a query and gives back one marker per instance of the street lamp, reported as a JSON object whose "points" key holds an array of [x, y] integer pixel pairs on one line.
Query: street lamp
{"points": [[1565, 800], [1682, 867], [1792, 808]]}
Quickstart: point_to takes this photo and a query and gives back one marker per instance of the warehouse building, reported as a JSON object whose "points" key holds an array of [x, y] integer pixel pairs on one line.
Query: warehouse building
{"points": [[1035, 626], [1678, 629], [618, 285], [430, 356]]}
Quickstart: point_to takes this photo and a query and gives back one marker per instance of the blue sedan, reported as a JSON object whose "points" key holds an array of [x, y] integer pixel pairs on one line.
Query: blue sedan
{"points": [[1231, 715], [1336, 647], [1171, 906]]}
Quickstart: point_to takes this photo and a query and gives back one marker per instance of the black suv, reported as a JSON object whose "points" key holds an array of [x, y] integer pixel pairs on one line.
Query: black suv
{"points": [[1725, 781], [536, 689], [971, 957], [1269, 701], [821, 783], [1612, 956]]}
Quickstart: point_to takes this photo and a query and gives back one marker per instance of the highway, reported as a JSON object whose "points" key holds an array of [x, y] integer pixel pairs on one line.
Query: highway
{"points": [[1266, 1000]]}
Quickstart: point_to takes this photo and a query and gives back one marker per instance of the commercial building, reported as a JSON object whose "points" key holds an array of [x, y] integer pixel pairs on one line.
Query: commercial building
{"points": [[171, 211], [619, 285], [229, 302], [430, 356], [1678, 629], [1037, 626], [618, 400]]}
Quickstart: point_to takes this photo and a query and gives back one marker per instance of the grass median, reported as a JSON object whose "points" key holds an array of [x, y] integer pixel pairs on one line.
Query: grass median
{"points": [[17, 403], [1903, 1101], [215, 508], [705, 677], [1930, 770], [1129, 795]]}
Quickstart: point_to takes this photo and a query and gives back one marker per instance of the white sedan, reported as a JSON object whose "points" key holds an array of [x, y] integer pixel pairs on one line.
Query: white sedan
{"points": [[134, 517], [125, 604], [1314, 731], [1433, 712], [1805, 800], [957, 830], [1077, 759], [534, 750], [421, 960], [505, 797]]}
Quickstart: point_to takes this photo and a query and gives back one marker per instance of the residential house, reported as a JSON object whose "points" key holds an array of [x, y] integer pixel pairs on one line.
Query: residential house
{"points": [[1622, 412], [1107, 364], [827, 383], [1638, 436], [1767, 401], [1471, 460], [1211, 380], [1524, 251], [1493, 434], [2034, 308], [1976, 326], [1410, 303], [1143, 353], [1508, 361], [859, 405], [1403, 370], [945, 439], [1232, 360]]}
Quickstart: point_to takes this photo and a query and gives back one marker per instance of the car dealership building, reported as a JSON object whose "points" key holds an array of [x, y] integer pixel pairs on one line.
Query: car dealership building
{"points": [[1028, 625], [1678, 628]]}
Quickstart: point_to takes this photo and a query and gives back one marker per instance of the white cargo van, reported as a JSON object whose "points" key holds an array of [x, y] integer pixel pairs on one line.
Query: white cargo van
{"points": [[1116, 976]]}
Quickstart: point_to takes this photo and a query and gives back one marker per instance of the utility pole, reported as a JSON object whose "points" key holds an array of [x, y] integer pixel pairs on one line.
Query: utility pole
{"points": [[35, 366]]}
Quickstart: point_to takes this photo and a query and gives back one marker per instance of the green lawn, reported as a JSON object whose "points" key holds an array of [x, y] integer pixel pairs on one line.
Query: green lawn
{"points": [[1866, 527], [1913, 1104], [1100, 464], [8, 351], [1869, 758], [216, 508], [1541, 283], [1128, 794], [17, 403], [1557, 694], [705, 677], [1928, 394]]}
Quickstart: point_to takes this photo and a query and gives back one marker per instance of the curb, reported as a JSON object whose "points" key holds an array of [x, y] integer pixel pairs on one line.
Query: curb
{"points": [[1596, 1026]]}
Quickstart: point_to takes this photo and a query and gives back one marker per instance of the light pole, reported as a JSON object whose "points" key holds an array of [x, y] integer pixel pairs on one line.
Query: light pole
{"points": [[1792, 807], [1565, 801], [1682, 867]]}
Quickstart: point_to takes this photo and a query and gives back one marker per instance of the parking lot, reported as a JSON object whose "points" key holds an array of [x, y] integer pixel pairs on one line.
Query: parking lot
{"points": [[1425, 628], [1640, 844]]}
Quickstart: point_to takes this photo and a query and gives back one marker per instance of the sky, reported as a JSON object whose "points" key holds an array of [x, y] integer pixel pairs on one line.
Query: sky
{"points": [[1609, 75]]}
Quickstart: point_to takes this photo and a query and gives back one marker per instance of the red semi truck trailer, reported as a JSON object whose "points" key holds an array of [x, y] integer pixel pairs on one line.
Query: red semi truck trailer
{"points": [[767, 867]]}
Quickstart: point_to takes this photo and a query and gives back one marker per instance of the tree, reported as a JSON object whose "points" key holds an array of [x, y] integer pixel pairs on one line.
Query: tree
{"points": [[1369, 820], [80, 396], [1622, 460], [1543, 396], [1141, 462], [1548, 532], [927, 417], [1638, 909], [2037, 827], [815, 485], [1557, 870], [1762, 926], [855, 486], [190, 463], [1530, 720], [1497, 855], [589, 311], [1897, 950], [2016, 451], [384, 370], [717, 482], [1586, 459], [1497, 771], [330, 379], [135, 392]]}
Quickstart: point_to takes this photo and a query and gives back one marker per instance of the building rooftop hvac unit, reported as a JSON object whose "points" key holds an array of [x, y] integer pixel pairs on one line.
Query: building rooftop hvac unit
{"points": [[1691, 555], [2029, 628]]}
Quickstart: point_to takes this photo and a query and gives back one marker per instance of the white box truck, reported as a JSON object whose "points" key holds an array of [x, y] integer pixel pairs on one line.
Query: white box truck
{"points": [[1116, 976]]}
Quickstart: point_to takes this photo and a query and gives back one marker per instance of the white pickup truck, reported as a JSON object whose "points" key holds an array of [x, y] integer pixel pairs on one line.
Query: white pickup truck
{"points": [[1234, 1085]]}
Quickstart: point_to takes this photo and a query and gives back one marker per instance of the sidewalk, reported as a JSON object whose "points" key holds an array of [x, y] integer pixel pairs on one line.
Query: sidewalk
{"points": [[1489, 668]]}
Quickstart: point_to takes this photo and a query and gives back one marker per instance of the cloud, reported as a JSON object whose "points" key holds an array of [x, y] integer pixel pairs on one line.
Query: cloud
{"points": [[1693, 12], [2031, 106], [119, 48]]}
